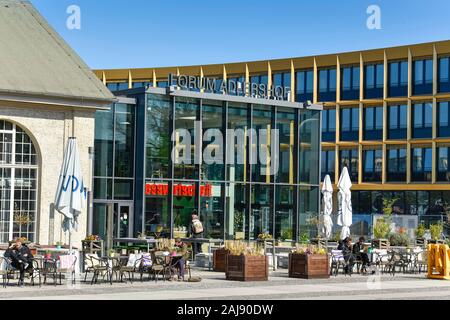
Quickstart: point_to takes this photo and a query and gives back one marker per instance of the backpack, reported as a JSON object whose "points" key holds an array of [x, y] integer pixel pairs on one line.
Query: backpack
{"points": [[197, 226]]}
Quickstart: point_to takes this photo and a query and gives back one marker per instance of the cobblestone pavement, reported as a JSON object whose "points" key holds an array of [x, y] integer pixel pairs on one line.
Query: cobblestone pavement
{"points": [[214, 286]]}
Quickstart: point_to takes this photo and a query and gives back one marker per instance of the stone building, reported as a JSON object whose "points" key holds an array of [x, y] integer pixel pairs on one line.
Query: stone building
{"points": [[47, 94]]}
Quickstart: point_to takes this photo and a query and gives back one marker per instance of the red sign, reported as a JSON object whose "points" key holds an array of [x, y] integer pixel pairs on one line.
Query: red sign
{"points": [[179, 190]]}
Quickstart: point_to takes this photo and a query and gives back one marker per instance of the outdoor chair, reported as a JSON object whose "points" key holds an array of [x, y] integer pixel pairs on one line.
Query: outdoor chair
{"points": [[337, 262], [89, 264], [38, 267], [6, 270], [159, 266], [145, 265], [132, 266], [397, 260], [67, 266], [100, 266], [420, 260], [381, 259]]}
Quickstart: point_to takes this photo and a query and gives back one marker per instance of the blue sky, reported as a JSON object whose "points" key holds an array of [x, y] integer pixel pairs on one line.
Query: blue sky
{"points": [[153, 33]]}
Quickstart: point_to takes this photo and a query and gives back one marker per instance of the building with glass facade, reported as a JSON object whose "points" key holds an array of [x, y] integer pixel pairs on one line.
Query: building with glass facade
{"points": [[152, 192], [386, 117]]}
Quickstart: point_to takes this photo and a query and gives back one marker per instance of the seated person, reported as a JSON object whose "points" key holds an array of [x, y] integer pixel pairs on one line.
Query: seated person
{"points": [[21, 258], [359, 252], [348, 255], [180, 263]]}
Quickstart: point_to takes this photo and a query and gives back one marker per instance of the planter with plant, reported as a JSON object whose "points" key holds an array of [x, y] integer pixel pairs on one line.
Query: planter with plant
{"points": [[220, 259], [436, 230], [246, 263], [399, 239], [309, 262], [382, 227], [420, 235]]}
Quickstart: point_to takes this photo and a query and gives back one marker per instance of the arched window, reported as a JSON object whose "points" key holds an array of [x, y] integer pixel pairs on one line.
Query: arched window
{"points": [[18, 184]]}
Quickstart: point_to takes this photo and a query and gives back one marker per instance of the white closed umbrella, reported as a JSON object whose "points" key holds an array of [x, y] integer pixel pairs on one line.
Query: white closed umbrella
{"points": [[70, 194], [345, 203], [327, 205]]}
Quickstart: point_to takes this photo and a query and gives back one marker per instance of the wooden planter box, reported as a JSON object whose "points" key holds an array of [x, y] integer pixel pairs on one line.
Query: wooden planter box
{"points": [[380, 243], [309, 266], [220, 260], [247, 268]]}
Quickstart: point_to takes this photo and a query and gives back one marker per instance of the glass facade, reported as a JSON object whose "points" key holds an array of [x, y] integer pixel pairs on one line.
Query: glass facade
{"points": [[443, 119], [398, 79], [373, 81], [373, 123], [349, 124], [421, 164], [329, 125], [443, 76], [372, 165], [349, 158], [397, 122], [423, 77], [422, 117], [272, 152], [350, 83], [305, 85], [396, 164], [327, 85]]}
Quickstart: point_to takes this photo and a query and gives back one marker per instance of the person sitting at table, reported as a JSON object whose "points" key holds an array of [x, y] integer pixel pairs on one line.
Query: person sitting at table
{"points": [[348, 255], [180, 262], [360, 254], [21, 259]]}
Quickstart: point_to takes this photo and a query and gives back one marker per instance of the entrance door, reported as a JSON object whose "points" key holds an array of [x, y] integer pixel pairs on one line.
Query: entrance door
{"points": [[123, 220]]}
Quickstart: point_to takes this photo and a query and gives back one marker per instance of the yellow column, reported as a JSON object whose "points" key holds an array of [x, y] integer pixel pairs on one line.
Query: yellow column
{"points": [[104, 77], [385, 66], [435, 71], [360, 148], [224, 73], [270, 157], [410, 72], [269, 75], [293, 82], [315, 77], [154, 79], [338, 80], [201, 79], [247, 79], [130, 80], [361, 77]]}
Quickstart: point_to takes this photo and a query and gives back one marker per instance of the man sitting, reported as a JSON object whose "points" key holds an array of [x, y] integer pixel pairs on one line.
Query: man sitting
{"points": [[180, 263], [361, 255], [21, 259]]}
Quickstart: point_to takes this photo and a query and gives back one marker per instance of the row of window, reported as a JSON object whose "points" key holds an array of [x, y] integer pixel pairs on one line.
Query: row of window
{"points": [[396, 164], [397, 122], [397, 80]]}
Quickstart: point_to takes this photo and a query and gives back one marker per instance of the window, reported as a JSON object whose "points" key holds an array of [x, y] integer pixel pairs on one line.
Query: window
{"points": [[373, 123], [374, 81], [421, 164], [444, 79], [329, 125], [422, 120], [327, 85], [350, 83], [398, 79], [142, 84], [443, 169], [18, 184], [350, 124], [117, 86], [397, 122], [282, 79], [396, 165], [372, 163], [239, 80], [349, 158], [423, 77], [443, 119], [259, 79], [162, 84], [305, 85], [328, 164]]}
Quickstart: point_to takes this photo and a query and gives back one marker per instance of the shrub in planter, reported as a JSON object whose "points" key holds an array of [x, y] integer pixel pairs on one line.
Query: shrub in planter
{"points": [[399, 240], [436, 230], [382, 229], [246, 263], [309, 262]]}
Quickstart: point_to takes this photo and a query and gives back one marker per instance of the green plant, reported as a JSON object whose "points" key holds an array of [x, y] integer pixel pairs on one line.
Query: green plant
{"points": [[286, 235], [238, 220], [399, 240], [381, 229], [436, 230], [420, 231], [388, 206], [304, 237]]}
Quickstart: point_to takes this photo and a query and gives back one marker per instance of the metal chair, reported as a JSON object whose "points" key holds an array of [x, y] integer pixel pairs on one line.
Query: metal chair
{"points": [[101, 266], [6, 270], [160, 266]]}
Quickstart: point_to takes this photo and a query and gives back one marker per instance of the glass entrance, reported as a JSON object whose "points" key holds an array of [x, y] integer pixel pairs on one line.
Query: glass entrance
{"points": [[123, 224]]}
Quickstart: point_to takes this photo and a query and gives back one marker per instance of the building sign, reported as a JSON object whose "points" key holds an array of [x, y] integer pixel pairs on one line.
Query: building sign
{"points": [[179, 190], [231, 87]]}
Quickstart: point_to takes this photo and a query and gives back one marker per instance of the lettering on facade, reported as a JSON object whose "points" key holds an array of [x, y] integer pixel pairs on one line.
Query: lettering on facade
{"points": [[179, 190], [231, 87]]}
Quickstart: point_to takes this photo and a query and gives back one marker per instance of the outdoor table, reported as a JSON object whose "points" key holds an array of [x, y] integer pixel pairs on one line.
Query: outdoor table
{"points": [[136, 241], [209, 242]]}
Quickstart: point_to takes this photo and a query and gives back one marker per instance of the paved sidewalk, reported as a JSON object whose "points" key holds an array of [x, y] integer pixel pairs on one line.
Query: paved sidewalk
{"points": [[214, 286]]}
